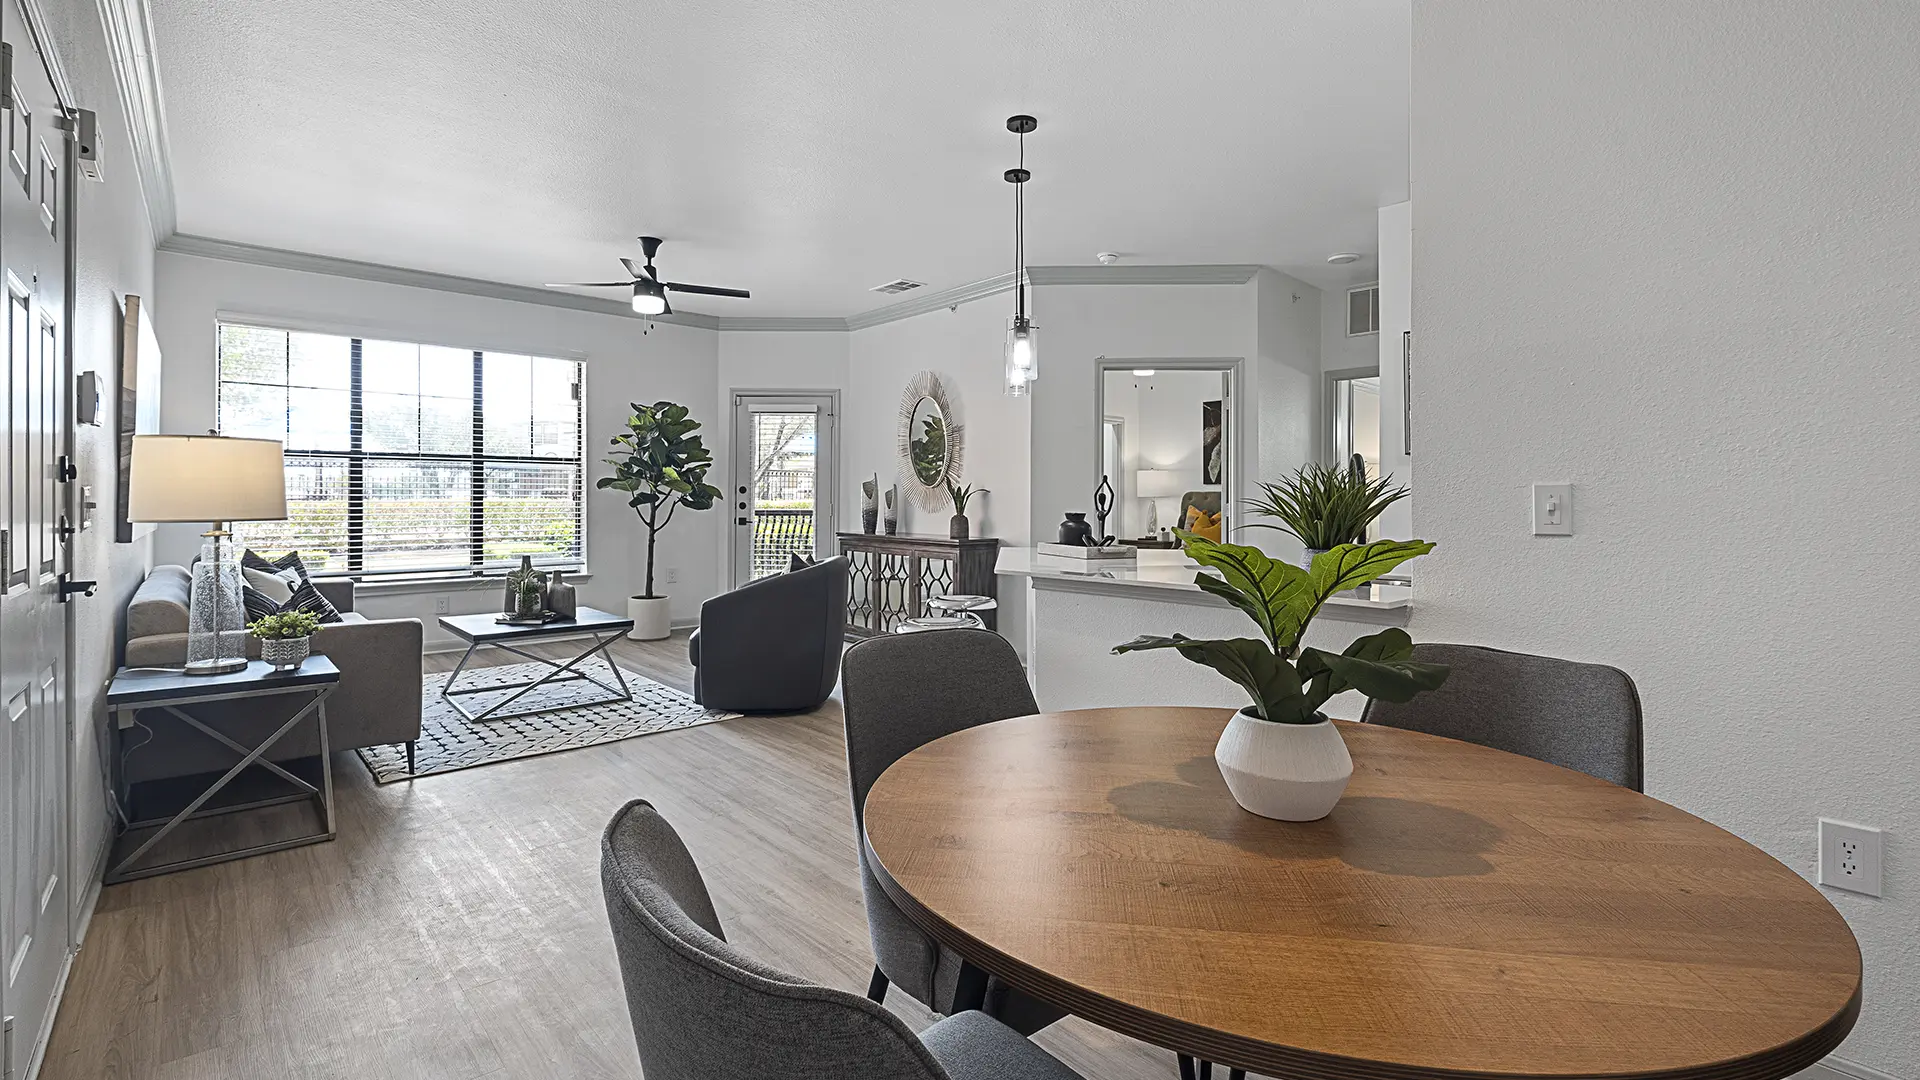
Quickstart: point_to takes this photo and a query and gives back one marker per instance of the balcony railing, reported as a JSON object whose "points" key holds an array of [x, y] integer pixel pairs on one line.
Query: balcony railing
{"points": [[778, 534]]}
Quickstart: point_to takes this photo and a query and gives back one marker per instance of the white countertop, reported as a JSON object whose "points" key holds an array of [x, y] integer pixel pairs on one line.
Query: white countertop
{"points": [[1167, 571]]}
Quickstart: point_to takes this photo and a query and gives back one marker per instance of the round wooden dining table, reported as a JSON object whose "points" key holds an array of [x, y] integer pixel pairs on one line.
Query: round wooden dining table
{"points": [[1463, 912]]}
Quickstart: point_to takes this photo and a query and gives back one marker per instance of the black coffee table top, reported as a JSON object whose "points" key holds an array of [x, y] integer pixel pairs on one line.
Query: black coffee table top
{"points": [[145, 686], [482, 628]]}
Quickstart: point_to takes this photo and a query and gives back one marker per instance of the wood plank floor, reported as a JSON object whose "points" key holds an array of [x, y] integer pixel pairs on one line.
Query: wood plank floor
{"points": [[455, 930]]}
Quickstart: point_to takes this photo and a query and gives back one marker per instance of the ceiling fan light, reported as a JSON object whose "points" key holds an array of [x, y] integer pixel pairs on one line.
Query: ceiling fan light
{"points": [[649, 299]]}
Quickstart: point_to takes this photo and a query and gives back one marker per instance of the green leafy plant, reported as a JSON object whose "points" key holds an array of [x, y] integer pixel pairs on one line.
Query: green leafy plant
{"points": [[1324, 505], [284, 625], [929, 451], [661, 466], [961, 493], [1289, 683]]}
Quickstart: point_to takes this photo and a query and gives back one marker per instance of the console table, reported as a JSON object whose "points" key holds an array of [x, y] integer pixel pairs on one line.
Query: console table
{"points": [[893, 577]]}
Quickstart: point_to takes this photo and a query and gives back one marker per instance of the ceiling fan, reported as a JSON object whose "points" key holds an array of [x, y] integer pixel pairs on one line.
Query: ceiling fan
{"points": [[649, 292]]}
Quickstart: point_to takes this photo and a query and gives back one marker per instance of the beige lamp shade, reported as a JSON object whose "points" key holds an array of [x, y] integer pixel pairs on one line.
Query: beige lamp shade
{"points": [[1156, 483], [206, 478]]}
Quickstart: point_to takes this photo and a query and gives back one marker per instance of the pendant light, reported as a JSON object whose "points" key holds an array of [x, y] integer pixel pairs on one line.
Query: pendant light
{"points": [[1023, 339]]}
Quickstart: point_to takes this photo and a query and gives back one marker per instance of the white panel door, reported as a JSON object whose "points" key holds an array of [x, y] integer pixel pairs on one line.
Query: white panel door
{"points": [[33, 274]]}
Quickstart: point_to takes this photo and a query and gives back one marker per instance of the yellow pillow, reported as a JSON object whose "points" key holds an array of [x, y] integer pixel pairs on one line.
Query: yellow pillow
{"points": [[1201, 523]]}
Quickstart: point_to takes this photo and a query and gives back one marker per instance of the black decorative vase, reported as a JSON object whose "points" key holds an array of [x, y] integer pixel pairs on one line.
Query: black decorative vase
{"points": [[1075, 530], [958, 527]]}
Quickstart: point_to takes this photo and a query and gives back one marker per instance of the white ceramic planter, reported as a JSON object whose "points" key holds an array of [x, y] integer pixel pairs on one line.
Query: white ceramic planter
{"points": [[651, 618], [285, 654], [1292, 772]]}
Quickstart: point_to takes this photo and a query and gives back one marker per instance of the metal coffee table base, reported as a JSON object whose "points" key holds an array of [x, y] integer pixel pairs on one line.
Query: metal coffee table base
{"points": [[566, 672]]}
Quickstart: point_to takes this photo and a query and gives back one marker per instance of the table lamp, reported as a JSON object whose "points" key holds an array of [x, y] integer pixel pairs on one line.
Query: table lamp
{"points": [[215, 479], [1153, 484]]}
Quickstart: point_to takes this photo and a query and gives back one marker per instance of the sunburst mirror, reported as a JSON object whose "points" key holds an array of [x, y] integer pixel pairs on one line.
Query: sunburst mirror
{"points": [[931, 441]]}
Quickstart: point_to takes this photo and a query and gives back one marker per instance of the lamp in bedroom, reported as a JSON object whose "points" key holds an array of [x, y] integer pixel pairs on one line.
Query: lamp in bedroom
{"points": [[210, 478]]}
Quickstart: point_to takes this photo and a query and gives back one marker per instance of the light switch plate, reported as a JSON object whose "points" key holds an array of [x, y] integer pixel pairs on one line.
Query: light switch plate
{"points": [[1553, 509]]}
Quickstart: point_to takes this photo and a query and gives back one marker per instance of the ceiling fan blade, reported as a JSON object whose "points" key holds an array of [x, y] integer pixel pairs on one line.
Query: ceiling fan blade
{"points": [[635, 269], [589, 285], [707, 290]]}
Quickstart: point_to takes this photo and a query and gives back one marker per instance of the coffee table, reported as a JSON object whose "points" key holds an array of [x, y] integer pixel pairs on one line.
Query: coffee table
{"points": [[479, 631]]}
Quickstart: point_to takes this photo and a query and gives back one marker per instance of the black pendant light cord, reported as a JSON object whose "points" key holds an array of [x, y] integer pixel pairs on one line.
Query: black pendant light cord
{"points": [[1020, 236]]}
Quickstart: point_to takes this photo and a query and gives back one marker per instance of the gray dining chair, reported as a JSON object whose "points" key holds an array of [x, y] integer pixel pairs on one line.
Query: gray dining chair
{"points": [[702, 1008], [1578, 716], [899, 693]]}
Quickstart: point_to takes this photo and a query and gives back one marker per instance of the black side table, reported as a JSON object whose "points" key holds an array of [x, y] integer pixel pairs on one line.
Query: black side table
{"points": [[134, 689]]}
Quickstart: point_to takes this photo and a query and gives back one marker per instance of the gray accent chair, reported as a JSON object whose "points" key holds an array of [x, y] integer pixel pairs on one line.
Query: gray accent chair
{"points": [[702, 1008], [772, 645], [1578, 716], [901, 692], [377, 702]]}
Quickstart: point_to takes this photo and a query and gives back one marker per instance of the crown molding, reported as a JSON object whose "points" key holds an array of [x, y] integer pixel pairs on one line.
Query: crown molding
{"points": [[1198, 274], [934, 301], [233, 251], [252, 254], [129, 31], [778, 323]]}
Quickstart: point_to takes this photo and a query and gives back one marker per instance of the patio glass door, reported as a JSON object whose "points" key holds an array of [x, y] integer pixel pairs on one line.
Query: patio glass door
{"points": [[782, 485]]}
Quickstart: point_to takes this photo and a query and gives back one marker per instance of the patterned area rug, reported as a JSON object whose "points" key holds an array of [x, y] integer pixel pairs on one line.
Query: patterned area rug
{"points": [[449, 741]]}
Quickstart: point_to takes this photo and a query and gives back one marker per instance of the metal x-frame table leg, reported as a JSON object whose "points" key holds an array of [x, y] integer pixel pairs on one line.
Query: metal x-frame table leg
{"points": [[566, 672]]}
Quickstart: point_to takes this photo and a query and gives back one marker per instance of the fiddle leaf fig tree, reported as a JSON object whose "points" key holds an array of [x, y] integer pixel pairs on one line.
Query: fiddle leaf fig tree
{"points": [[1289, 682], [661, 465]]}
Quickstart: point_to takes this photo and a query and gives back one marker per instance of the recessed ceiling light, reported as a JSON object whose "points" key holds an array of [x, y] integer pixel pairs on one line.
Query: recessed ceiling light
{"points": [[1143, 372], [1108, 258], [1342, 258]]}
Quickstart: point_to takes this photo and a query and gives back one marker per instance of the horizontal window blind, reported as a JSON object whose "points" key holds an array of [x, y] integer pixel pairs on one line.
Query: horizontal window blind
{"points": [[409, 459]]}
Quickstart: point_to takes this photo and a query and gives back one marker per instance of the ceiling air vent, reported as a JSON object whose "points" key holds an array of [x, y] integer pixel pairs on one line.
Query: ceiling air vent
{"points": [[897, 286], [1363, 310]]}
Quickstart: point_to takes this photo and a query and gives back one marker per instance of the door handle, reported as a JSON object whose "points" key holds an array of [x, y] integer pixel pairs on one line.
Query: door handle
{"points": [[69, 586]]}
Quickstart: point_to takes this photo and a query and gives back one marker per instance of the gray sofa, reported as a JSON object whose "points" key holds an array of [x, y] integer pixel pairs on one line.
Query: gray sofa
{"points": [[772, 645], [377, 702]]}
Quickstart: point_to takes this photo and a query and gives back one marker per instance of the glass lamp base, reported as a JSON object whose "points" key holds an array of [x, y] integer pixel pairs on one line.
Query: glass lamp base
{"points": [[216, 619]]}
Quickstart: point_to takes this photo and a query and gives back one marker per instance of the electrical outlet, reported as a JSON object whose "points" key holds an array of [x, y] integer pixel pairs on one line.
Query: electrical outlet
{"points": [[441, 605], [673, 575], [1850, 857]]}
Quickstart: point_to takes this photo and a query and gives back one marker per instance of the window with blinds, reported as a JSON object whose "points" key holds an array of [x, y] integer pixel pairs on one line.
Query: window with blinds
{"points": [[406, 459]]}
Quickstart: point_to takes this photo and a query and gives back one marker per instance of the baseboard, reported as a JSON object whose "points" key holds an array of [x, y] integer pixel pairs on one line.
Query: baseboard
{"points": [[1839, 1068]]}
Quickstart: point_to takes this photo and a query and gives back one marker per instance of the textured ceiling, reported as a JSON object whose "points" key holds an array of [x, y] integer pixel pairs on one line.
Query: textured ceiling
{"points": [[806, 149]]}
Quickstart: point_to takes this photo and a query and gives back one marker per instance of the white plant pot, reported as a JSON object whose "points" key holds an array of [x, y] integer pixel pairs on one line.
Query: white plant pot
{"points": [[651, 617], [1291, 772]]}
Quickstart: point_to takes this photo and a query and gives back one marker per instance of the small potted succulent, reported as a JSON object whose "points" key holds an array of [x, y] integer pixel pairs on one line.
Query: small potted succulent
{"points": [[1281, 757], [286, 637], [958, 527]]}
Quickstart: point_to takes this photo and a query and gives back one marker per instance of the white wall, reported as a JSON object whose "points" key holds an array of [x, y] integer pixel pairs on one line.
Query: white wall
{"points": [[1338, 352], [1706, 215], [628, 360], [1291, 390], [965, 346], [115, 257]]}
